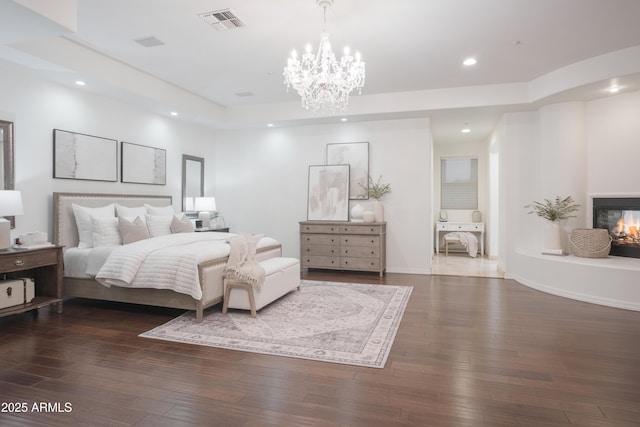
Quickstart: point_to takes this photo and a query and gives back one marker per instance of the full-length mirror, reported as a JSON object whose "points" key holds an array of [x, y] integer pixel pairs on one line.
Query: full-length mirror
{"points": [[192, 181], [6, 162]]}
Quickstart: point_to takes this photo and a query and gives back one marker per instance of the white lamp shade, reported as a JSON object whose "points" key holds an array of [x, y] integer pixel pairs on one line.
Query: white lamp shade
{"points": [[204, 204], [10, 203]]}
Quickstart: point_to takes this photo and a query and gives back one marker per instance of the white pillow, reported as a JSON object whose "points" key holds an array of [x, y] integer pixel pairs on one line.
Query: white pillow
{"points": [[159, 225], [106, 232], [84, 223], [159, 211], [127, 212]]}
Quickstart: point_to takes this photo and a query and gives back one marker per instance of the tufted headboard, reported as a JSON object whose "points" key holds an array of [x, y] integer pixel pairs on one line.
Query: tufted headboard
{"points": [[64, 223]]}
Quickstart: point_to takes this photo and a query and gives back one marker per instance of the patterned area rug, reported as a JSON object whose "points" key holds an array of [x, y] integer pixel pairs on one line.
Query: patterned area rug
{"points": [[346, 323]]}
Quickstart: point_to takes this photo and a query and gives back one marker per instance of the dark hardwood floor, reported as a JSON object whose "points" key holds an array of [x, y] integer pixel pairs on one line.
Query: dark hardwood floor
{"points": [[469, 352]]}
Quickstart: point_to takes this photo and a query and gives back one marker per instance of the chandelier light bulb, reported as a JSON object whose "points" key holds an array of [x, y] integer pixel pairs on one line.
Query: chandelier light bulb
{"points": [[294, 54], [347, 51]]}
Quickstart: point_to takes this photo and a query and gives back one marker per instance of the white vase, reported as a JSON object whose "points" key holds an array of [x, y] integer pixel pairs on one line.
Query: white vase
{"points": [[356, 213], [368, 216], [553, 239], [378, 209]]}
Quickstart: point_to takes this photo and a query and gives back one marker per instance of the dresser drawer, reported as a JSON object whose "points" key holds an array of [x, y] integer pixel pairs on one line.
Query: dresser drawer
{"points": [[320, 239], [320, 261], [360, 229], [360, 263], [352, 240], [26, 261], [319, 228], [319, 250], [360, 251]]}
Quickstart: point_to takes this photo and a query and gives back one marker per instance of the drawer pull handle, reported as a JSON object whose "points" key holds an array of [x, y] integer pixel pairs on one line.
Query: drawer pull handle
{"points": [[19, 262], [346, 251], [346, 240], [332, 251], [9, 291]]}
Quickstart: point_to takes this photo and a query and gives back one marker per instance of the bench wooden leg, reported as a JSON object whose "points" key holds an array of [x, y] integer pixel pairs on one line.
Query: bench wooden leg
{"points": [[245, 286]]}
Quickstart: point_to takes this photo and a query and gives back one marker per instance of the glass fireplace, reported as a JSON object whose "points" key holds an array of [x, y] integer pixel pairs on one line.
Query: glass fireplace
{"points": [[621, 217]]}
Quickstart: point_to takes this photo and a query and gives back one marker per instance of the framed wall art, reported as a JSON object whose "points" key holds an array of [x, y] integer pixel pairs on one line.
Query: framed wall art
{"points": [[80, 156], [143, 165], [328, 193], [356, 155]]}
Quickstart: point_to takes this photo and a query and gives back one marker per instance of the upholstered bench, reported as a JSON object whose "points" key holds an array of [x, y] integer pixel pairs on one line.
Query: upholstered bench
{"points": [[282, 275]]}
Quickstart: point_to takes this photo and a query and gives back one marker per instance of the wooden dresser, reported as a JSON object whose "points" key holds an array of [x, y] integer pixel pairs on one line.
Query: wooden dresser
{"points": [[343, 245]]}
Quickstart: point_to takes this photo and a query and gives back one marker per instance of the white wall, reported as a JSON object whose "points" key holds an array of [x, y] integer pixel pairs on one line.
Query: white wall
{"points": [[568, 149], [613, 140], [37, 107], [262, 182]]}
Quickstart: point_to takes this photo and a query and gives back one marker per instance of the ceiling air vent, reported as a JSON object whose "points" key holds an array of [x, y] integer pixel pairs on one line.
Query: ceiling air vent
{"points": [[222, 19], [150, 41]]}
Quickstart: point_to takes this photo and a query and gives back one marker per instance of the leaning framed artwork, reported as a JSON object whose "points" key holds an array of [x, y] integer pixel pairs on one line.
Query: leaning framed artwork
{"points": [[142, 164], [356, 155], [328, 193], [80, 156]]}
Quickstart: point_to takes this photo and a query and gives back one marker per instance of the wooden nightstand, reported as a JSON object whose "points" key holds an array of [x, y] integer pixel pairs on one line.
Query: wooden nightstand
{"points": [[44, 265]]}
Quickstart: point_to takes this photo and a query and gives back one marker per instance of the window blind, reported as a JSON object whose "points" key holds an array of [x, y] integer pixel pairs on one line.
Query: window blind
{"points": [[459, 183]]}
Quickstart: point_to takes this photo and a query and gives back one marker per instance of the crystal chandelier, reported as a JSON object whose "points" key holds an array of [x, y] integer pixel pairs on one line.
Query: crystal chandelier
{"points": [[324, 83]]}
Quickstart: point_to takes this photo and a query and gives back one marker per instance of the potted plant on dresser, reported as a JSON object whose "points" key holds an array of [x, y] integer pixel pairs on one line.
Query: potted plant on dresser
{"points": [[554, 211], [377, 190]]}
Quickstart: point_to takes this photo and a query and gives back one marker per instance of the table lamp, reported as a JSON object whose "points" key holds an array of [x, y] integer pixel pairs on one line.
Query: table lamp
{"points": [[205, 206], [10, 204]]}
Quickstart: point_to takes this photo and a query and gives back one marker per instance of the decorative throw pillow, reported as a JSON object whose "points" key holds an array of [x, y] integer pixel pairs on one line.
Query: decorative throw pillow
{"points": [[159, 211], [183, 225], [84, 223], [129, 212], [159, 225], [132, 231], [105, 232]]}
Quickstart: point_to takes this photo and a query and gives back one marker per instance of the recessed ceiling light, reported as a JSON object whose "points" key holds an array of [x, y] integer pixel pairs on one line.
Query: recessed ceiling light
{"points": [[344, 119], [614, 89], [174, 113], [470, 61], [466, 129], [80, 83], [269, 125]]}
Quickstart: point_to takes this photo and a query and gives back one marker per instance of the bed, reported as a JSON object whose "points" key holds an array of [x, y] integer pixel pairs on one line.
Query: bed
{"points": [[85, 276]]}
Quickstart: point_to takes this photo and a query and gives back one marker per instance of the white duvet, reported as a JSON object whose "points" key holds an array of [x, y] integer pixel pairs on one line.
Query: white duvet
{"points": [[165, 262]]}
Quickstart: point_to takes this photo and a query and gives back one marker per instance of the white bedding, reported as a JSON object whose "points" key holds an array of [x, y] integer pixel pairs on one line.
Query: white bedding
{"points": [[165, 262]]}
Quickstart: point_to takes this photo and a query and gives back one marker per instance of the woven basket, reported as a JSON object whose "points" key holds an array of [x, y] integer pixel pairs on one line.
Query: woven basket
{"points": [[590, 243]]}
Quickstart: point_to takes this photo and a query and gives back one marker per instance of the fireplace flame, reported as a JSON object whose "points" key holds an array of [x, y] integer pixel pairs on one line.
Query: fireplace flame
{"points": [[628, 226]]}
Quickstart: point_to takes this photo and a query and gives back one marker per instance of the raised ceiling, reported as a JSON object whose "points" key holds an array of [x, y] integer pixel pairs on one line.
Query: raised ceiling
{"points": [[413, 51]]}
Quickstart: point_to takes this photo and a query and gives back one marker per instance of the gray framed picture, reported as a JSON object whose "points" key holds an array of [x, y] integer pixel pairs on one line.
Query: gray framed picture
{"points": [[328, 193], [80, 156], [356, 155], [142, 164]]}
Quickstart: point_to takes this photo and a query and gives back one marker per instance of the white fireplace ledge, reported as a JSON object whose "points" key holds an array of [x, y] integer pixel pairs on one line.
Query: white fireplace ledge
{"points": [[615, 262], [611, 281]]}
